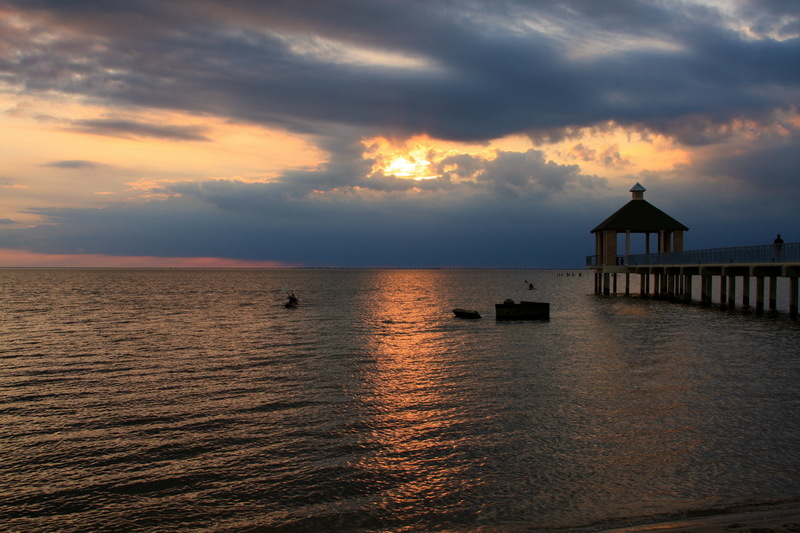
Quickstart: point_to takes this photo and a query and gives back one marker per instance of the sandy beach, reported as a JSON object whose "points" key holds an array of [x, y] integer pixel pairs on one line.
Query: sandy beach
{"points": [[755, 521]]}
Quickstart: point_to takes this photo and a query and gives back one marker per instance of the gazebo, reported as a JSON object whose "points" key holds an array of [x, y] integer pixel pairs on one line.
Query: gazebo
{"points": [[637, 216]]}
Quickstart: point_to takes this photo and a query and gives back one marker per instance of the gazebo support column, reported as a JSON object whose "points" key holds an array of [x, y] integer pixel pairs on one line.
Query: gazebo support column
{"points": [[759, 294], [773, 290], [746, 291], [705, 289], [731, 291]]}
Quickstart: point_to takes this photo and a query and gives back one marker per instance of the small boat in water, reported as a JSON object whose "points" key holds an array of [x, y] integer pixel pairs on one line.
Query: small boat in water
{"points": [[293, 301], [508, 310], [466, 313]]}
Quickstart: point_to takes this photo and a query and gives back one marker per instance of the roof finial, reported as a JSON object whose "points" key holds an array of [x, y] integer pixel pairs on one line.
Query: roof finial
{"points": [[638, 191]]}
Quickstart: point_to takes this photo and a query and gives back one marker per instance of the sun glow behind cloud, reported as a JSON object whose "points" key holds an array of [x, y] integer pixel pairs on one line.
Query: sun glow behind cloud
{"points": [[421, 157], [613, 152], [410, 167]]}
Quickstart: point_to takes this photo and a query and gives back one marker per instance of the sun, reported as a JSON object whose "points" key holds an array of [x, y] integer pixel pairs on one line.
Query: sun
{"points": [[409, 167], [408, 160], [424, 158]]}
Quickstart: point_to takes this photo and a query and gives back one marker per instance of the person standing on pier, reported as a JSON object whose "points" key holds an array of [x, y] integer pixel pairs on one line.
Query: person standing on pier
{"points": [[778, 247]]}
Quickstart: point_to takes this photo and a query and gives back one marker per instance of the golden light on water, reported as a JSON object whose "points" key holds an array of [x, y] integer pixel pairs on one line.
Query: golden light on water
{"points": [[409, 393]]}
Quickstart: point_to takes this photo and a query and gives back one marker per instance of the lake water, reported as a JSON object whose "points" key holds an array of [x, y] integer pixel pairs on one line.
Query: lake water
{"points": [[169, 400]]}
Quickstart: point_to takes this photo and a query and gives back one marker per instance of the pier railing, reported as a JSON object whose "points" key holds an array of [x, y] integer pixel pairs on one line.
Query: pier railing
{"points": [[767, 253]]}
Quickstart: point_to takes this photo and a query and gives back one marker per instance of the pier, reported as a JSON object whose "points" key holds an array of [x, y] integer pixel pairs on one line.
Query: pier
{"points": [[671, 271]]}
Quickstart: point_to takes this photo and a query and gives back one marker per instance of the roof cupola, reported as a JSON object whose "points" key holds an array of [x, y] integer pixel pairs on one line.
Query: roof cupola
{"points": [[638, 191]]}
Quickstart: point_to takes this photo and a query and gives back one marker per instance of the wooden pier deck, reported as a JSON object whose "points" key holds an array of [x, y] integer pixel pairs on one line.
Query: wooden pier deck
{"points": [[672, 274]]}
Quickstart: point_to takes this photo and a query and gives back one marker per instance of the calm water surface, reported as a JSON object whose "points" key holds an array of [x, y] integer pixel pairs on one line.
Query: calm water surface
{"points": [[192, 400]]}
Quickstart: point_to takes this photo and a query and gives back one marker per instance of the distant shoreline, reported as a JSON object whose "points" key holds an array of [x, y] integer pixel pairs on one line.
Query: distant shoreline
{"points": [[559, 269]]}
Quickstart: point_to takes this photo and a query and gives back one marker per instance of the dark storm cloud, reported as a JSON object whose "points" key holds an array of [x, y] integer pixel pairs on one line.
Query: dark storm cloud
{"points": [[509, 216], [485, 73], [509, 175], [773, 16], [131, 128], [392, 231], [771, 168], [329, 218]]}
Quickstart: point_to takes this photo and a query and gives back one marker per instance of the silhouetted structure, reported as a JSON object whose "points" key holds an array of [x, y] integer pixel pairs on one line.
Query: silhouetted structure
{"points": [[637, 216], [671, 269]]}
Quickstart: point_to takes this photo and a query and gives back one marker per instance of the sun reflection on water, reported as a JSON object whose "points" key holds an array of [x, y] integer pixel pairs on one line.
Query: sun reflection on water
{"points": [[414, 417]]}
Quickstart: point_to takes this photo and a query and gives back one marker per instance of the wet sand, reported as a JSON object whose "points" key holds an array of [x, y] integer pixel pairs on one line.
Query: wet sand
{"points": [[785, 520]]}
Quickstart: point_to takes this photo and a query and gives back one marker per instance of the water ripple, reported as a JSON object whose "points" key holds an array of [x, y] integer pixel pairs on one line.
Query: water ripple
{"points": [[192, 400]]}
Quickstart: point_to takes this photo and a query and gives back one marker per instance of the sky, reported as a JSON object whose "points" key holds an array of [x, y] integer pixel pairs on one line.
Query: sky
{"points": [[389, 133]]}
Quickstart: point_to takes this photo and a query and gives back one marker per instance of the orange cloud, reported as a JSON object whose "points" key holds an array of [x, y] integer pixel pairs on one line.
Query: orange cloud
{"points": [[616, 151], [62, 152]]}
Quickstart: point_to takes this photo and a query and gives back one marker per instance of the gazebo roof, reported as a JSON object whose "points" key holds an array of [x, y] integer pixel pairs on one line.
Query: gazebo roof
{"points": [[640, 216]]}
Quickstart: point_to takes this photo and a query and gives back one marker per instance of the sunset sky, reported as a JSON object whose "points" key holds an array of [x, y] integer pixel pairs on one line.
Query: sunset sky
{"points": [[404, 133]]}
